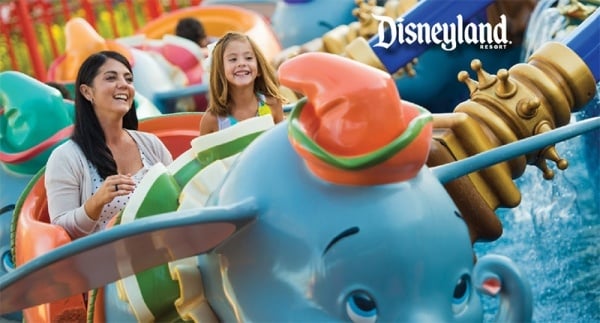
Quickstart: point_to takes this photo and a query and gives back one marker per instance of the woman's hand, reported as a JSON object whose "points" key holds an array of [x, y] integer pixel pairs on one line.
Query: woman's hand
{"points": [[116, 185], [113, 186]]}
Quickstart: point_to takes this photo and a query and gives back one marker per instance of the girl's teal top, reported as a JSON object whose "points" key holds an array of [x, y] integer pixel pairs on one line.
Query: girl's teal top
{"points": [[263, 109]]}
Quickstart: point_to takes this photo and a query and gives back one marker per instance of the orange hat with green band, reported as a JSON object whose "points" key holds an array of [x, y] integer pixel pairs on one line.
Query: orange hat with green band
{"points": [[352, 128]]}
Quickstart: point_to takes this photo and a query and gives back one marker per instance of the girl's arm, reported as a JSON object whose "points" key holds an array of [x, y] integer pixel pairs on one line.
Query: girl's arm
{"points": [[209, 123], [276, 109]]}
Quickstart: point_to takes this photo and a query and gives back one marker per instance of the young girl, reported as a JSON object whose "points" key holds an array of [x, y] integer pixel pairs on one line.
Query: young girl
{"points": [[242, 85]]}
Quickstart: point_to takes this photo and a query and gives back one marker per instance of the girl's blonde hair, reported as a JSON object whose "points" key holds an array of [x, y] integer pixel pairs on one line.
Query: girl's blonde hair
{"points": [[266, 83]]}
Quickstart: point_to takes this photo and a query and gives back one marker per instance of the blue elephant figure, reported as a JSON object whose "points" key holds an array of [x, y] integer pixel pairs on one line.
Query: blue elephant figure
{"points": [[296, 229], [296, 22]]}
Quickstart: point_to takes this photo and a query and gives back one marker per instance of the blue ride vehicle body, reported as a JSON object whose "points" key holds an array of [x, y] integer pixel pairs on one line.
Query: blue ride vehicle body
{"points": [[298, 21]]}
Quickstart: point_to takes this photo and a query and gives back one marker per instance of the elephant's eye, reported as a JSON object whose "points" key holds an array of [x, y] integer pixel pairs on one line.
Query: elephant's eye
{"points": [[361, 308], [462, 293]]}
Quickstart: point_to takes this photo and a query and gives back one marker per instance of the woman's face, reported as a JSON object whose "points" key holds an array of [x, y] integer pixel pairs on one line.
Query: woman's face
{"points": [[239, 63], [111, 91]]}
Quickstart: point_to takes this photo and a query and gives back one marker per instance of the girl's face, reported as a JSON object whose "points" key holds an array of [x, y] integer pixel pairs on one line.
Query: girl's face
{"points": [[239, 63], [111, 91]]}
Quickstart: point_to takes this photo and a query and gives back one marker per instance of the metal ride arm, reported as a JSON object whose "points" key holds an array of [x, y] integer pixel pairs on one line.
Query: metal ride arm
{"points": [[528, 99]]}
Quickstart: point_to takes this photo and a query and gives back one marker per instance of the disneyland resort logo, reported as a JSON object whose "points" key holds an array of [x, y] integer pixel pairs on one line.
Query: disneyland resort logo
{"points": [[447, 35]]}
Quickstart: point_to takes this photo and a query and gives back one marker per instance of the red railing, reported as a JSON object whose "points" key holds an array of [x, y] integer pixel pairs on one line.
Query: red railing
{"points": [[32, 30]]}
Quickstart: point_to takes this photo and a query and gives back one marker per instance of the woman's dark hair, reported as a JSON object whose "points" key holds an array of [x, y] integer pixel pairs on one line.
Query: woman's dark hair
{"points": [[61, 88], [87, 132]]}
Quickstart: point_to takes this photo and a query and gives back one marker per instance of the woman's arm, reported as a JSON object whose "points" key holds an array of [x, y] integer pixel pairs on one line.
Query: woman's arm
{"points": [[63, 190]]}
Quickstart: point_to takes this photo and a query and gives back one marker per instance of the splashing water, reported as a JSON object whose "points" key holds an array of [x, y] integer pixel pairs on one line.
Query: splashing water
{"points": [[546, 23], [554, 234]]}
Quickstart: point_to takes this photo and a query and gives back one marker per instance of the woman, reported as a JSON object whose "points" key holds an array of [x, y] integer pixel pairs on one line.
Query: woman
{"points": [[90, 177]]}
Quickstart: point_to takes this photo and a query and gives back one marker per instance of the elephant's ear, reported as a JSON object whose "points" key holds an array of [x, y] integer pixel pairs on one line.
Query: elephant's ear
{"points": [[124, 250]]}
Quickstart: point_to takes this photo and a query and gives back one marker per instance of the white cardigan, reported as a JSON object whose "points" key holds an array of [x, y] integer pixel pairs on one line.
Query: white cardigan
{"points": [[69, 183]]}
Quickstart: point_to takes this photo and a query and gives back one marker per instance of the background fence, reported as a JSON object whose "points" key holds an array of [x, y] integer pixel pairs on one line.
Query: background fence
{"points": [[32, 31]]}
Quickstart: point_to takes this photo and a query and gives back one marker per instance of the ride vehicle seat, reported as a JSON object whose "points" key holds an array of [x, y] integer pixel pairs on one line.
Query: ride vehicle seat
{"points": [[35, 235]]}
